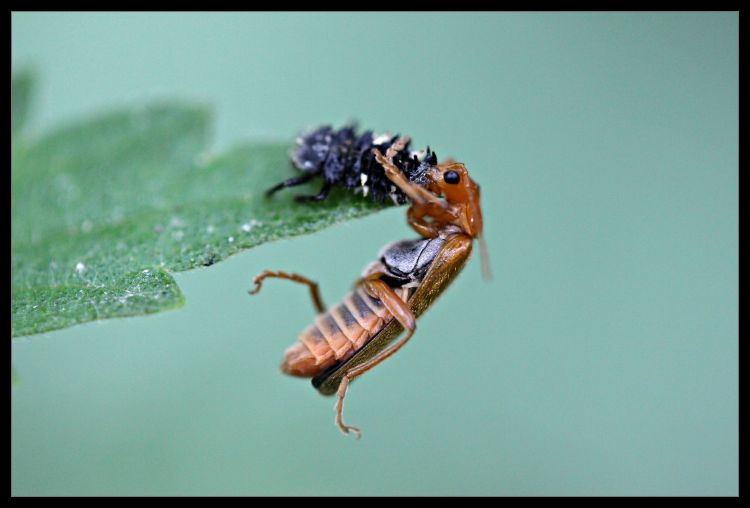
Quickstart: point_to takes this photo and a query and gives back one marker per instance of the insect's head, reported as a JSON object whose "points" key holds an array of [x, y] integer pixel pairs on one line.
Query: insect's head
{"points": [[452, 180]]}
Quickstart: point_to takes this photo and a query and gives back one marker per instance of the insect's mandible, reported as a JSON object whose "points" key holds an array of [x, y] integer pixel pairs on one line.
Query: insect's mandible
{"points": [[350, 338]]}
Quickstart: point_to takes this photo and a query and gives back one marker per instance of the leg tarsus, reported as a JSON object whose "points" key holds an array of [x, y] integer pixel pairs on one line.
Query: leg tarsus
{"points": [[340, 409], [396, 147], [403, 314], [314, 292]]}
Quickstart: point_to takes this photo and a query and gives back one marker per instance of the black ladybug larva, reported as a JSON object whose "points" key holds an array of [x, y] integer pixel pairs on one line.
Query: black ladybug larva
{"points": [[346, 159]]}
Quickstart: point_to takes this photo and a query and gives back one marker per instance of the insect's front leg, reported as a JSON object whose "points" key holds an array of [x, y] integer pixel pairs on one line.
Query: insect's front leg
{"points": [[416, 193], [428, 229], [399, 309], [314, 293]]}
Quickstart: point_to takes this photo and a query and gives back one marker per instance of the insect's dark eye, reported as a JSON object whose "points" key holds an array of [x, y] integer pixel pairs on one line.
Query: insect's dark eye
{"points": [[451, 177]]}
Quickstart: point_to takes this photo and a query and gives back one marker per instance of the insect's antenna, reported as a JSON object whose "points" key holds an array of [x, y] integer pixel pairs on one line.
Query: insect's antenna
{"points": [[484, 256]]}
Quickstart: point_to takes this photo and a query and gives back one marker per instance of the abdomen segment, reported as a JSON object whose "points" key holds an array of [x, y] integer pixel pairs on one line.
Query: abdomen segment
{"points": [[335, 335]]}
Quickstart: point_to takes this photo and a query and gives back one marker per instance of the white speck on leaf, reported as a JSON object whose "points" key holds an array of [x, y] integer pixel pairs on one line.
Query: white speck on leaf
{"points": [[176, 222], [210, 229], [248, 226], [87, 226], [80, 267], [230, 239], [178, 235]]}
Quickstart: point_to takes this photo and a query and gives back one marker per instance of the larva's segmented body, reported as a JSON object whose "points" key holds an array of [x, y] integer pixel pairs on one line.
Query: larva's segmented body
{"points": [[344, 158]]}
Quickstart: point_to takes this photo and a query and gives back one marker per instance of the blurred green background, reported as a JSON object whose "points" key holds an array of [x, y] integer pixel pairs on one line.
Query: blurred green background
{"points": [[602, 359]]}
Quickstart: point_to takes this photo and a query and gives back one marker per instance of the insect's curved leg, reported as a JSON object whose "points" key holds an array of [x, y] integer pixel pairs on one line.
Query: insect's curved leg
{"points": [[320, 196], [314, 293], [417, 194], [427, 229], [401, 312], [424, 202], [297, 180]]}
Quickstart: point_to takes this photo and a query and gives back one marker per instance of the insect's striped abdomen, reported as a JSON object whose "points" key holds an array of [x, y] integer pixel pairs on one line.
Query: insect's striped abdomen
{"points": [[336, 334]]}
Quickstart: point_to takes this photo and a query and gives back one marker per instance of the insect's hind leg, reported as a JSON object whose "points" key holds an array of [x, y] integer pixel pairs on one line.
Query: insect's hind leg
{"points": [[297, 180], [314, 292], [401, 312]]}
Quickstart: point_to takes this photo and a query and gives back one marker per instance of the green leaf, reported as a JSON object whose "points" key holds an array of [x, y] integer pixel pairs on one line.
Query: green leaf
{"points": [[105, 209]]}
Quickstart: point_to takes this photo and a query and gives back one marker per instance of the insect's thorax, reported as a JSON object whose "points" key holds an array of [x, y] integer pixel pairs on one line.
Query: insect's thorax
{"points": [[404, 263]]}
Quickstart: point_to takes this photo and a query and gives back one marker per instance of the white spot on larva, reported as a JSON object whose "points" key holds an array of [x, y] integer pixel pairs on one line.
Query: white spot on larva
{"points": [[80, 267], [365, 190], [363, 179], [230, 239], [87, 226], [381, 138]]}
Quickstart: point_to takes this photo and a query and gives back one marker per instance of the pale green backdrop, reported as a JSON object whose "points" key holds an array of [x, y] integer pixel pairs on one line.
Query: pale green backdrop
{"points": [[602, 358]]}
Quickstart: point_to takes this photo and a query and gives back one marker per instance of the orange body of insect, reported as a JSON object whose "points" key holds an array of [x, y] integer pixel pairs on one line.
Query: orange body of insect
{"points": [[355, 335]]}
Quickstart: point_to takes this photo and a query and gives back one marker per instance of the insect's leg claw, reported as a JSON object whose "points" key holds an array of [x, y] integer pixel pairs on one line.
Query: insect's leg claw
{"points": [[349, 428], [258, 283]]}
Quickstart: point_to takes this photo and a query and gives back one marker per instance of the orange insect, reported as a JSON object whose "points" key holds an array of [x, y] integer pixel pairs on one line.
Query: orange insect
{"points": [[349, 339]]}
